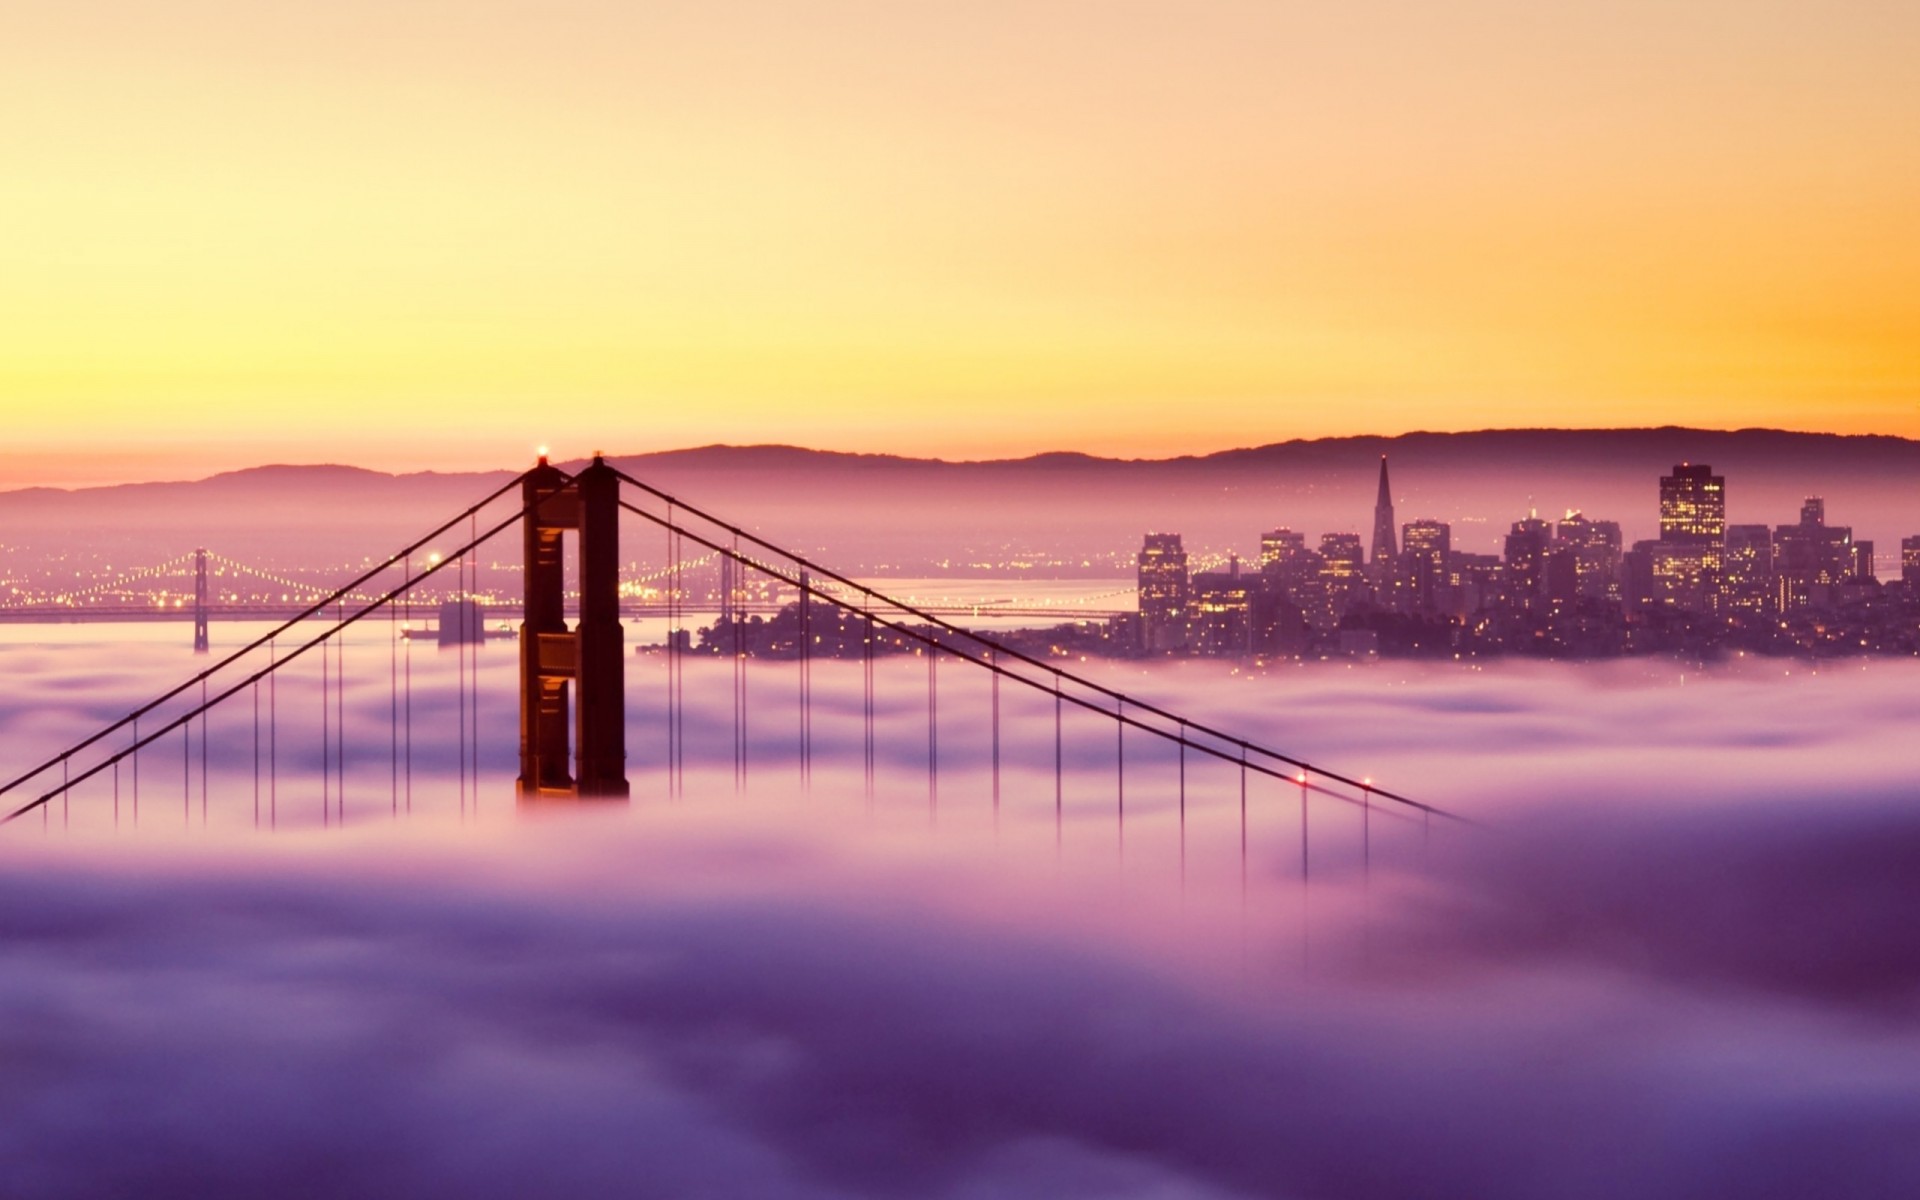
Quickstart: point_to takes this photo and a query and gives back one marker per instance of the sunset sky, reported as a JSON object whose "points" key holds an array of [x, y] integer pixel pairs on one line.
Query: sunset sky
{"points": [[435, 235]]}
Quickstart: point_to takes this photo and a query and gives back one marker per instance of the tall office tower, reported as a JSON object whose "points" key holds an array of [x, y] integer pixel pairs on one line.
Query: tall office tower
{"points": [[1693, 506], [1163, 592], [1596, 555], [1910, 561], [1746, 579], [1526, 559], [1343, 578], [1693, 536], [1384, 551], [1427, 547]]}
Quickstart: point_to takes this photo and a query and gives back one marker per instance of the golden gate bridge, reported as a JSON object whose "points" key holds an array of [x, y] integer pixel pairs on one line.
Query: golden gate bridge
{"points": [[573, 688]]}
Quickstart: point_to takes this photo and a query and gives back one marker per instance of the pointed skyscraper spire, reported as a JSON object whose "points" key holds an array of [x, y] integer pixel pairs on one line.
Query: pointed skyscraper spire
{"points": [[1385, 546]]}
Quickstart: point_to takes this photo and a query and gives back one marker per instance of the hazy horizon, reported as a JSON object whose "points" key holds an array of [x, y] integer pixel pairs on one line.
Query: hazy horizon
{"points": [[565, 454]]}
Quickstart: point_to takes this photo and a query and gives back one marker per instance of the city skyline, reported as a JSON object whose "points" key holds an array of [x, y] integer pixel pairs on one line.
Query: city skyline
{"points": [[1575, 588]]}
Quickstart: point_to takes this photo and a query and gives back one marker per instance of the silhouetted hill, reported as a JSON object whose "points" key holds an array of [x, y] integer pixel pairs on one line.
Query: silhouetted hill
{"points": [[890, 511]]}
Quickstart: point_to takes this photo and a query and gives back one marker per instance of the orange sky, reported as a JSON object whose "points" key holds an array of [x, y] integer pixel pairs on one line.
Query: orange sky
{"points": [[437, 234]]}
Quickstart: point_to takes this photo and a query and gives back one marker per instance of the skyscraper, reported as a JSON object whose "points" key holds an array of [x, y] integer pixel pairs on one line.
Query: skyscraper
{"points": [[1163, 592], [1596, 554], [1526, 559], [1693, 506], [1693, 537], [1384, 549], [1343, 577], [1429, 544]]}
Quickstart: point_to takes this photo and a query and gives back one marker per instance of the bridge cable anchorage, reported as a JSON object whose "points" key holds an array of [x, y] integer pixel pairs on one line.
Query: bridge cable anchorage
{"points": [[812, 568], [318, 607], [1211, 750], [269, 672]]}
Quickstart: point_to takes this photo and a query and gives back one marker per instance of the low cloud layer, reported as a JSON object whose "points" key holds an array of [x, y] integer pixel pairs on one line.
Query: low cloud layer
{"points": [[1673, 963]]}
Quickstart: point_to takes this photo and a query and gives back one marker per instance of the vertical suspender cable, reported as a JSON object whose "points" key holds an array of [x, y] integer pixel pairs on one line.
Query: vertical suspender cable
{"points": [[933, 732], [992, 660], [393, 705]]}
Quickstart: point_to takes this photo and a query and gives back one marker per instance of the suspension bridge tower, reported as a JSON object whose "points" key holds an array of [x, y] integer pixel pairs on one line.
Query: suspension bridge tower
{"points": [[589, 660], [200, 642]]}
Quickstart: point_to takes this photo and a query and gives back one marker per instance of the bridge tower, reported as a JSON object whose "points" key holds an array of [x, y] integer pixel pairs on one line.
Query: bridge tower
{"points": [[589, 660], [200, 643]]}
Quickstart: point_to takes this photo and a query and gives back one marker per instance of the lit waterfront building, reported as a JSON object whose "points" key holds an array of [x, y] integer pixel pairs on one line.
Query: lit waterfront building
{"points": [[1910, 560]]}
